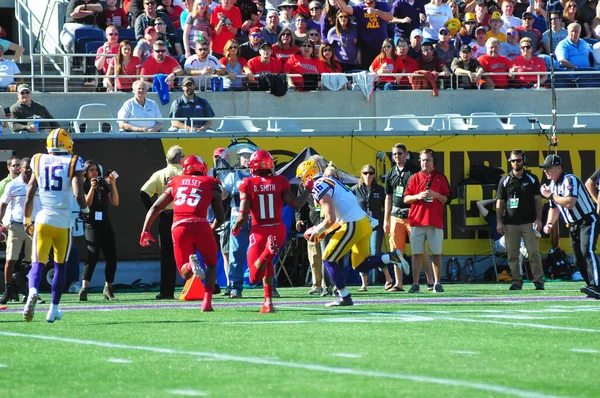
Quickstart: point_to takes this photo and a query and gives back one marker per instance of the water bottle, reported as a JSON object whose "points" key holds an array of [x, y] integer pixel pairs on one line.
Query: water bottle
{"points": [[1, 123], [216, 84], [36, 123], [442, 83], [535, 231]]}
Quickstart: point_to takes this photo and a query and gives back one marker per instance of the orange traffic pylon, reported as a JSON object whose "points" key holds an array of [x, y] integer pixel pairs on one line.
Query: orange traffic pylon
{"points": [[193, 290]]}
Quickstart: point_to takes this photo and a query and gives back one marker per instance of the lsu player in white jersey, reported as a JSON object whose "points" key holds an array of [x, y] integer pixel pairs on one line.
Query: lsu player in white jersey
{"points": [[350, 225], [58, 175]]}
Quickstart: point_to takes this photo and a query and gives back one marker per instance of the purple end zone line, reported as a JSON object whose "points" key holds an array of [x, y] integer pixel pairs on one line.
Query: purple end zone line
{"points": [[314, 302]]}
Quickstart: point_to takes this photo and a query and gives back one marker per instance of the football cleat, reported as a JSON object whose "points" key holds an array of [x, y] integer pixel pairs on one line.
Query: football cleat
{"points": [[196, 267], [207, 307], [397, 258], [267, 309], [341, 302], [55, 315], [29, 310]]}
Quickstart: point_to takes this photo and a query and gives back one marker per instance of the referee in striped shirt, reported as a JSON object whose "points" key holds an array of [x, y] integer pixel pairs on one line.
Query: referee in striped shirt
{"points": [[568, 195]]}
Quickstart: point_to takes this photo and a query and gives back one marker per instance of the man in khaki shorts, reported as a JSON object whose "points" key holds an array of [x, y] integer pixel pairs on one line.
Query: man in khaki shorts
{"points": [[12, 204]]}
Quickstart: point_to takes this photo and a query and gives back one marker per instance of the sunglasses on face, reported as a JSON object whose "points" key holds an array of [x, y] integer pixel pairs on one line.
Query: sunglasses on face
{"points": [[368, 173], [528, 19], [444, 33], [160, 23], [306, 46], [256, 35], [14, 165], [150, 3], [343, 17], [387, 47], [525, 47], [397, 153], [470, 22], [286, 34], [313, 34], [203, 49], [24, 93], [327, 50], [160, 51], [516, 160], [572, 6], [511, 33], [233, 47], [315, 9]]}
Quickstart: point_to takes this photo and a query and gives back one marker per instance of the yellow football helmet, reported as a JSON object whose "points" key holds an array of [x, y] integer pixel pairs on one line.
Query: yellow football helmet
{"points": [[308, 169], [59, 141]]}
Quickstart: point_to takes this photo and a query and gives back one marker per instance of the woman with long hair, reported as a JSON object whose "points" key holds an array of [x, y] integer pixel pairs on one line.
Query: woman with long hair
{"points": [[466, 34], [371, 198], [233, 65], [197, 25], [302, 64], [385, 63], [315, 38], [125, 63], [100, 192], [172, 11], [285, 46], [328, 62], [344, 41]]}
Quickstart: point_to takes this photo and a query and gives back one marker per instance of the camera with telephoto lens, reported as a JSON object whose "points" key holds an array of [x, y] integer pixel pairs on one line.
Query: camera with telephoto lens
{"points": [[226, 21]]}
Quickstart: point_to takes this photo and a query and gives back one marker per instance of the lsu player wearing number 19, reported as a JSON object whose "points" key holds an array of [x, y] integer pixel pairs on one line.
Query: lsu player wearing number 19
{"points": [[191, 193], [58, 175], [263, 196], [350, 225]]}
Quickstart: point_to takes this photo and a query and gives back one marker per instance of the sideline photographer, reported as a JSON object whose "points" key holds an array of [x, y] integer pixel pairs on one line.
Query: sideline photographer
{"points": [[99, 193]]}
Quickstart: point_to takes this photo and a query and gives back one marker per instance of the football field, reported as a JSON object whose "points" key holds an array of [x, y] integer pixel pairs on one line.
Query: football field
{"points": [[472, 341]]}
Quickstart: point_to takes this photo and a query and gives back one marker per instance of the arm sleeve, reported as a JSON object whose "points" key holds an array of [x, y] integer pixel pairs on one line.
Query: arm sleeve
{"points": [[146, 200]]}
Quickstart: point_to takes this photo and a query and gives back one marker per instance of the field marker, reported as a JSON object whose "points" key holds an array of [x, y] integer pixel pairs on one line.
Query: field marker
{"points": [[118, 360], [346, 355], [464, 352], [295, 365], [585, 351], [188, 393]]}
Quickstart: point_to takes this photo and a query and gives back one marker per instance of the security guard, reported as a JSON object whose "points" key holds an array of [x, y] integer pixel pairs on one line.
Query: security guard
{"points": [[518, 215], [156, 186]]}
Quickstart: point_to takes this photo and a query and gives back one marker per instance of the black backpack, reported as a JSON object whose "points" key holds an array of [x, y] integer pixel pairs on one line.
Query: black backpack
{"points": [[558, 264]]}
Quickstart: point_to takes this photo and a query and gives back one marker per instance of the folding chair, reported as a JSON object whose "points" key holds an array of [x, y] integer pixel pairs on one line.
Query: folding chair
{"points": [[91, 111], [406, 123], [237, 123]]}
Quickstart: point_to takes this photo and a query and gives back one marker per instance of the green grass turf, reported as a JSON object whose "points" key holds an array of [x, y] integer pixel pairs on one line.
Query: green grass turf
{"points": [[400, 349]]}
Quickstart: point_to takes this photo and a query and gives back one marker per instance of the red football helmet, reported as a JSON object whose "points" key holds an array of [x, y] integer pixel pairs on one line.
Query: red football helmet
{"points": [[261, 160], [194, 165]]}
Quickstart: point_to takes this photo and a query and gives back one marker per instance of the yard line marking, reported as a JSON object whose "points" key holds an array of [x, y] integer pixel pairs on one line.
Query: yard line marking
{"points": [[346, 355], [531, 325], [296, 365], [585, 351], [464, 352], [3, 365], [118, 360], [188, 393]]}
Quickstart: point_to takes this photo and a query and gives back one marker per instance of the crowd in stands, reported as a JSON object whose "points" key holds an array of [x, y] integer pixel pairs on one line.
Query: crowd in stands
{"points": [[207, 39]]}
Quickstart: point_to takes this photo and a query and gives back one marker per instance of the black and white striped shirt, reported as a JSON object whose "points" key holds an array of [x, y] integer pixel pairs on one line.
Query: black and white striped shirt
{"points": [[569, 185]]}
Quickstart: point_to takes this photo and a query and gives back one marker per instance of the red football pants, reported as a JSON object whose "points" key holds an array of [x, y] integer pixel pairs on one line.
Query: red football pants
{"points": [[258, 242], [191, 236]]}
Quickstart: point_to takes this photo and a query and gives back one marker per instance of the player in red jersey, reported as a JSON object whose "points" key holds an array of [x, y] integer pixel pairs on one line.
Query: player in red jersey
{"points": [[191, 193], [263, 196]]}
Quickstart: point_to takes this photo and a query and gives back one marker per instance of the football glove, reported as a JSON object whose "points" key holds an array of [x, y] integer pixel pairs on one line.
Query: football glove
{"points": [[146, 238], [29, 229]]}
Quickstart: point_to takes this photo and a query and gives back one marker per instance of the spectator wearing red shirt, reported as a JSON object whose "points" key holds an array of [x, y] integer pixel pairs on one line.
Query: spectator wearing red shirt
{"points": [[385, 63], [410, 65], [527, 30], [226, 19], [493, 62], [126, 64], [527, 62], [427, 193], [302, 64], [172, 11], [160, 62], [263, 63], [113, 15], [110, 47], [285, 46], [328, 62]]}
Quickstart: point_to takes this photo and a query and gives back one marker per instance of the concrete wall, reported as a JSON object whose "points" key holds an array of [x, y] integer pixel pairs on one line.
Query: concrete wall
{"points": [[349, 104]]}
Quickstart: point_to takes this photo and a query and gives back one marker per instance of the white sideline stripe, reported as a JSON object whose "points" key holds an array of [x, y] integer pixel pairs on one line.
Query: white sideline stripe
{"points": [[585, 351], [464, 352], [531, 325], [296, 365], [346, 355], [188, 393], [3, 365], [119, 360]]}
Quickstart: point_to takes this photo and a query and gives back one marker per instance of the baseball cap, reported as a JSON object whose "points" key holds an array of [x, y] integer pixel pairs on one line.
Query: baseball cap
{"points": [[444, 29], [480, 28], [150, 29], [22, 87], [256, 29], [470, 17], [527, 14], [315, 4], [496, 16], [550, 161], [264, 44], [415, 33], [187, 80], [466, 49], [218, 152]]}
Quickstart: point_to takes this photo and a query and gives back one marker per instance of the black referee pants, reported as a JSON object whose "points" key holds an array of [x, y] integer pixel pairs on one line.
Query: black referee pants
{"points": [[583, 242], [168, 269]]}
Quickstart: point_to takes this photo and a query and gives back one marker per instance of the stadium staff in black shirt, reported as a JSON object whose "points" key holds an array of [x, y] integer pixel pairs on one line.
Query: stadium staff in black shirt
{"points": [[591, 184], [395, 220], [519, 216], [568, 197]]}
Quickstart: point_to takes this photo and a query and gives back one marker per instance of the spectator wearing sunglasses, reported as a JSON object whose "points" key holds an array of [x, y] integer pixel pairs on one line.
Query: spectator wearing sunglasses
{"points": [[527, 62], [286, 14], [148, 18], [302, 64], [26, 108], [250, 49], [527, 30], [232, 65], [316, 9], [466, 34], [111, 47], [344, 41], [285, 46], [161, 63], [171, 40], [196, 27], [13, 165], [556, 30], [511, 48], [444, 49]]}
